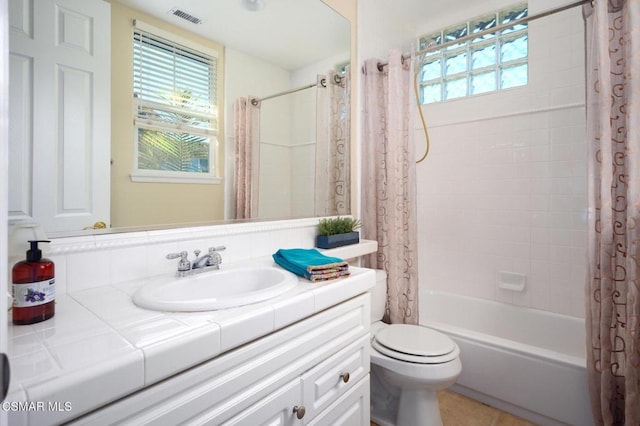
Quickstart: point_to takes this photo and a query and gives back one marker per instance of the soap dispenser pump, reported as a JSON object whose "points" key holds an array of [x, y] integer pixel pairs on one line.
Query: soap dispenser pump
{"points": [[34, 287]]}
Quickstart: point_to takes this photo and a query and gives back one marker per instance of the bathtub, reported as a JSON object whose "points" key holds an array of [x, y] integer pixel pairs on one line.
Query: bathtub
{"points": [[528, 362]]}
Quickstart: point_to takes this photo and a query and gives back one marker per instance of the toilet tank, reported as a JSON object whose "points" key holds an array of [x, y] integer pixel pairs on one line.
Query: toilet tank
{"points": [[378, 296]]}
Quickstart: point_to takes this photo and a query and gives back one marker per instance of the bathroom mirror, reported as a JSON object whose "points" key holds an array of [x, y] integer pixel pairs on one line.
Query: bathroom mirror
{"points": [[282, 46]]}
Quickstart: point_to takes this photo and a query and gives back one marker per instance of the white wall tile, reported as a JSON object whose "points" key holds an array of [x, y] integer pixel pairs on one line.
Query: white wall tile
{"points": [[60, 270], [124, 258], [156, 258], [525, 200], [88, 270], [128, 264]]}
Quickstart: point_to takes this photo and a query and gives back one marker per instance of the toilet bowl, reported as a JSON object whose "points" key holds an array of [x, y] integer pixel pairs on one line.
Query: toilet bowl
{"points": [[409, 364]]}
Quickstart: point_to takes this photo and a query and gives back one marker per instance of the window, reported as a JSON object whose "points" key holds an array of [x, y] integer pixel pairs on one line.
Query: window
{"points": [[174, 94], [490, 62]]}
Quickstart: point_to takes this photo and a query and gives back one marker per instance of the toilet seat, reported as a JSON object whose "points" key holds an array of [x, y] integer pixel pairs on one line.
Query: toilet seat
{"points": [[415, 344]]}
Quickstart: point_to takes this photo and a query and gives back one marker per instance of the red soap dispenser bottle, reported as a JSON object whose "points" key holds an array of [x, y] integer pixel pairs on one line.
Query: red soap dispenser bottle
{"points": [[34, 287]]}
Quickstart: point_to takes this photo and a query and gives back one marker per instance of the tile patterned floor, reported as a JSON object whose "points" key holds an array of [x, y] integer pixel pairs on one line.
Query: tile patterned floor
{"points": [[457, 410]]}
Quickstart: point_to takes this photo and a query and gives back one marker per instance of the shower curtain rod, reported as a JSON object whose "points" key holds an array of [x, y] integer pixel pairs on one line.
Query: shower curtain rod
{"points": [[323, 82], [493, 30]]}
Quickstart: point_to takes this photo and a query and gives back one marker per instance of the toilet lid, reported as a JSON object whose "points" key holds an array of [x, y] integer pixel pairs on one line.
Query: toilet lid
{"points": [[415, 344]]}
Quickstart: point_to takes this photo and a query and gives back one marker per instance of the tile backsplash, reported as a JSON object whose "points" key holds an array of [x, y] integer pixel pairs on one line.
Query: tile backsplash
{"points": [[97, 260]]}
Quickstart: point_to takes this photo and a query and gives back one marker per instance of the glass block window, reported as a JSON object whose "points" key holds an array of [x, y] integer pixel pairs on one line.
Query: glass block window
{"points": [[175, 100], [492, 61]]}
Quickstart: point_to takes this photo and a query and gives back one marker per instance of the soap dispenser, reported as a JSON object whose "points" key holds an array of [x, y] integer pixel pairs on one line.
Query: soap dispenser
{"points": [[34, 287]]}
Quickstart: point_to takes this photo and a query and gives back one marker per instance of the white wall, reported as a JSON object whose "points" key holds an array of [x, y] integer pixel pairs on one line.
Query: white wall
{"points": [[287, 132], [254, 77], [303, 153], [275, 158], [308, 74], [379, 30], [504, 187]]}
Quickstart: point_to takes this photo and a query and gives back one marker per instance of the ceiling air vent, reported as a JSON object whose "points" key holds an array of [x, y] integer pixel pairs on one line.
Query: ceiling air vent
{"points": [[184, 15]]}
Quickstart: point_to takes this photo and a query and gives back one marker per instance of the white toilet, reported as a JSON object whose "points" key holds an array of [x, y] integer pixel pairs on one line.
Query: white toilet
{"points": [[409, 363]]}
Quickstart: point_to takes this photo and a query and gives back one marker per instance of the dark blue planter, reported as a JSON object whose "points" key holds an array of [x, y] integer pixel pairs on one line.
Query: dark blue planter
{"points": [[337, 240]]}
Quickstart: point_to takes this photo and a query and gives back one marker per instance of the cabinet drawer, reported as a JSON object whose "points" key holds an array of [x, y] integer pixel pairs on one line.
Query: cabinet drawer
{"points": [[324, 383], [351, 409], [274, 410]]}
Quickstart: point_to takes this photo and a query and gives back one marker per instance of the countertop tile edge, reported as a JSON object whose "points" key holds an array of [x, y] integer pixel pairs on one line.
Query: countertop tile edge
{"points": [[115, 378], [160, 358]]}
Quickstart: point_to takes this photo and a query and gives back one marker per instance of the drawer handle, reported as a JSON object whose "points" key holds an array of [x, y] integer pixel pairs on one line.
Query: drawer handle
{"points": [[345, 377], [299, 411]]}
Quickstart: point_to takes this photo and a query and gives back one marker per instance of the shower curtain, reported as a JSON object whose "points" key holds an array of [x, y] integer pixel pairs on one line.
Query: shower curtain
{"points": [[613, 137], [389, 183], [333, 127], [247, 159]]}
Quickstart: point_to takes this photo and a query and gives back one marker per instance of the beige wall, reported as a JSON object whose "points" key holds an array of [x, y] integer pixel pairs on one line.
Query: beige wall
{"points": [[136, 204]]}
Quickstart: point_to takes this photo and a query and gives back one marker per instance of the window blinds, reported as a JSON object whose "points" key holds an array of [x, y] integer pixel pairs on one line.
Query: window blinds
{"points": [[174, 86]]}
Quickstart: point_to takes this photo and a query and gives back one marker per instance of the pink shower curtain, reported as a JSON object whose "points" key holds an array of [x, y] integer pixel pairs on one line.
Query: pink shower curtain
{"points": [[389, 183], [247, 160], [333, 128], [613, 137]]}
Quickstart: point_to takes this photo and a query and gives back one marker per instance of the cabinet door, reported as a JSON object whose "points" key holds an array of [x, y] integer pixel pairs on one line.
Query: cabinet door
{"points": [[275, 410], [351, 409], [331, 378]]}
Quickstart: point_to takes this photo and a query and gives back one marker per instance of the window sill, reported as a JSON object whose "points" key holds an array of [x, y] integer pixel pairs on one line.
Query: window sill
{"points": [[153, 176]]}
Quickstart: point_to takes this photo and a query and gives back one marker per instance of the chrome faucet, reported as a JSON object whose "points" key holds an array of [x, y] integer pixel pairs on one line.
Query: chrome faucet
{"points": [[212, 258], [184, 265], [206, 262]]}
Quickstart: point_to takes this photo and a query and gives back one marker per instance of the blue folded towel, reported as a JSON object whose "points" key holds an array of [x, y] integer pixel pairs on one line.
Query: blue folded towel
{"points": [[310, 263]]}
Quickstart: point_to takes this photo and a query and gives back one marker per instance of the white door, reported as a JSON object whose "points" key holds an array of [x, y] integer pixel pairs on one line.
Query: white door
{"points": [[60, 126]]}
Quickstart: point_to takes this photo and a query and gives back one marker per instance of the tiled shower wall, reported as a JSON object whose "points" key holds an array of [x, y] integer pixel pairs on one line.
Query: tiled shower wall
{"points": [[504, 187]]}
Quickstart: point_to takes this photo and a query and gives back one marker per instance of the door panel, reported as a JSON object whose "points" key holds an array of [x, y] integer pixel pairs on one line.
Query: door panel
{"points": [[60, 127]]}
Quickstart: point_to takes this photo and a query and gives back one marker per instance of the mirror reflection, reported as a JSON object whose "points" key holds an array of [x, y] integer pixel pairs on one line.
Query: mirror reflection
{"points": [[191, 111]]}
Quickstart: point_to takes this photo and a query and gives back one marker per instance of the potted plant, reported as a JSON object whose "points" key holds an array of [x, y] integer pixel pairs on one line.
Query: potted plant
{"points": [[337, 231]]}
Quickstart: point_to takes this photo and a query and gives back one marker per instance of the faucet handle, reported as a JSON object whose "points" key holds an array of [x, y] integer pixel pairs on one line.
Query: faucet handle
{"points": [[214, 257], [183, 263], [182, 254]]}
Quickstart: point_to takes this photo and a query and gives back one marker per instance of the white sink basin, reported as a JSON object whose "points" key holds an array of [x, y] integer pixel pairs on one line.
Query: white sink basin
{"points": [[208, 291]]}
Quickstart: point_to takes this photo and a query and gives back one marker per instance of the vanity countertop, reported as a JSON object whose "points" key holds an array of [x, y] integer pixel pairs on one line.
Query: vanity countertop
{"points": [[100, 346]]}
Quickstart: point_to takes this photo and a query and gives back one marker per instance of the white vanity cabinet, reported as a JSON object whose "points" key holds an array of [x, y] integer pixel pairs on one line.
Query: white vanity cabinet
{"points": [[351, 409], [300, 401], [319, 365]]}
